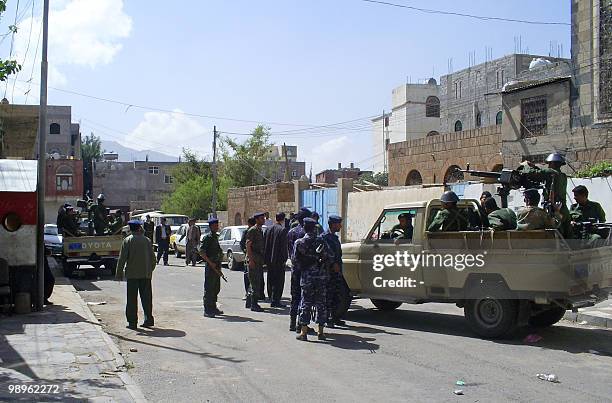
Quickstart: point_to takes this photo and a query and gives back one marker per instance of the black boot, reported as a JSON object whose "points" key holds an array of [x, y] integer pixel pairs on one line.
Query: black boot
{"points": [[292, 324], [247, 303]]}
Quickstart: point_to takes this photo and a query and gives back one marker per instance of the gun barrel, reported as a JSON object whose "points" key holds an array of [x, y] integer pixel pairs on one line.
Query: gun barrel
{"points": [[483, 174]]}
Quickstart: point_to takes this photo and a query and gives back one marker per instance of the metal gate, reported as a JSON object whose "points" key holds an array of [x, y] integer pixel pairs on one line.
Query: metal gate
{"points": [[323, 201]]}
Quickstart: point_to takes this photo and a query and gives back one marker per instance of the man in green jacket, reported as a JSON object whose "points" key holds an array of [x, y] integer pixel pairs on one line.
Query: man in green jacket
{"points": [[139, 261], [585, 210], [449, 218], [500, 219]]}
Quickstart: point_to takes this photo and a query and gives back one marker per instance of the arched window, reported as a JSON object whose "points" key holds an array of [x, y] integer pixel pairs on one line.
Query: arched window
{"points": [[54, 128], [63, 178], [458, 126], [453, 174], [498, 118], [237, 219], [497, 167], [432, 107], [432, 133], [478, 119], [414, 178]]}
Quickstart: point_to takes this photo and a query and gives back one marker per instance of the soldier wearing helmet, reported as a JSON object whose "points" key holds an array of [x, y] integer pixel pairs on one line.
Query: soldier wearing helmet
{"points": [[450, 218], [555, 186], [99, 216]]}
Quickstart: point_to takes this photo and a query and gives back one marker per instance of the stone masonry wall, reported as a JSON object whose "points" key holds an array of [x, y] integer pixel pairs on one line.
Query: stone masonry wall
{"points": [[244, 202]]}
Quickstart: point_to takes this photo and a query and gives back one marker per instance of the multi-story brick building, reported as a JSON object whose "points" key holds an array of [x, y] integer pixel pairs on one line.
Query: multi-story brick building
{"points": [[331, 176]]}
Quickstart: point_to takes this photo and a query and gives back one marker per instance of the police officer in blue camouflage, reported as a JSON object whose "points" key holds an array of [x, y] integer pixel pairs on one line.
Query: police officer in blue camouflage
{"points": [[313, 256], [336, 280], [294, 234]]}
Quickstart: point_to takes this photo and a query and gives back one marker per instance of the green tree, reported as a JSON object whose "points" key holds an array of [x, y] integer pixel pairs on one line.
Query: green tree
{"points": [[602, 168], [8, 67], [193, 197], [245, 164], [379, 178], [91, 151], [191, 167]]}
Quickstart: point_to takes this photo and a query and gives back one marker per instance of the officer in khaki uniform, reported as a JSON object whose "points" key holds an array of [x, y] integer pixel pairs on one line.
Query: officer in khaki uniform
{"points": [[532, 217], [211, 252], [255, 261], [138, 259], [449, 218]]}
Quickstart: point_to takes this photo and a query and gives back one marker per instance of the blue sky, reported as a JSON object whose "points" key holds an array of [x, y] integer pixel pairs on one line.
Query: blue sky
{"points": [[273, 61]]}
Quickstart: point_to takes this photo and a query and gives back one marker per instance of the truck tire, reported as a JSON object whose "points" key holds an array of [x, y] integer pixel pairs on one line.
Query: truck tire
{"points": [[176, 252], [68, 269], [547, 317], [385, 305], [490, 317], [111, 265], [344, 302]]}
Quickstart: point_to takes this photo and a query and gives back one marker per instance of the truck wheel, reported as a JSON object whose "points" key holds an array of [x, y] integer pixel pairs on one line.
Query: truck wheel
{"points": [[547, 317], [344, 302], [111, 265], [491, 318], [232, 264], [176, 252], [385, 305], [69, 269]]}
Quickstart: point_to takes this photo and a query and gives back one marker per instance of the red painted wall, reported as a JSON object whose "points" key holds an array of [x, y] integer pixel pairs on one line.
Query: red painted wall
{"points": [[55, 166]]}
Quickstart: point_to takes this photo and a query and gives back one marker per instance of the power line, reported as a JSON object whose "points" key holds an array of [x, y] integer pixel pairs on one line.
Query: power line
{"points": [[457, 14]]}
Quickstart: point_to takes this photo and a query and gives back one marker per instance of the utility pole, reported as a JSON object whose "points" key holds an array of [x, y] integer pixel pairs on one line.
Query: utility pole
{"points": [[287, 177], [384, 139], [42, 161], [214, 174]]}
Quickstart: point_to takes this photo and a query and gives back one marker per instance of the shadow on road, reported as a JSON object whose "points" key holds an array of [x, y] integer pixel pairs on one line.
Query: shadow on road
{"points": [[565, 338], [159, 332], [180, 350], [239, 319], [352, 342]]}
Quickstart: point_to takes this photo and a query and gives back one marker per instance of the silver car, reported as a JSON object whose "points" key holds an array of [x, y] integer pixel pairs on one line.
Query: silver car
{"points": [[53, 239], [229, 239]]}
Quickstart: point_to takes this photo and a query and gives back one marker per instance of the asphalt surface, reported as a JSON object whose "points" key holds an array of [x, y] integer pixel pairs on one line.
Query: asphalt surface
{"points": [[415, 353]]}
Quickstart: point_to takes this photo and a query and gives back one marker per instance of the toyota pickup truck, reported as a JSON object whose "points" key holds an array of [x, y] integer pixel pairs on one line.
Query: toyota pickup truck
{"points": [[93, 251], [502, 279]]}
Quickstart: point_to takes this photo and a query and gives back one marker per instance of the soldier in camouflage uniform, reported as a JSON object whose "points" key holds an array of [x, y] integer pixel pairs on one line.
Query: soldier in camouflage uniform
{"points": [[314, 277], [449, 218], [500, 219], [555, 186], [99, 216], [294, 234], [117, 224], [403, 230], [532, 217], [585, 210], [336, 280]]}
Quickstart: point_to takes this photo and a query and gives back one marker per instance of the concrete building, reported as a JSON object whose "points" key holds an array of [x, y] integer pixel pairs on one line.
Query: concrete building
{"points": [[331, 176], [133, 185], [277, 165], [18, 139]]}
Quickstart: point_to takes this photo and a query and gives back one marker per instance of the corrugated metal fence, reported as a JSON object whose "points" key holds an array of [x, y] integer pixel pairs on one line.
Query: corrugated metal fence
{"points": [[323, 201]]}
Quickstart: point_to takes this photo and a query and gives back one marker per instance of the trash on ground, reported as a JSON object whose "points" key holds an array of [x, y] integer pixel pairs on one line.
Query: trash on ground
{"points": [[97, 303], [584, 322], [532, 338], [460, 383], [133, 350], [548, 377], [458, 392]]}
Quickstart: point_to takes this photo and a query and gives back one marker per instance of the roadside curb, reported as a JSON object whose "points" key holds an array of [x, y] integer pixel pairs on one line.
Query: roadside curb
{"points": [[132, 388], [591, 319]]}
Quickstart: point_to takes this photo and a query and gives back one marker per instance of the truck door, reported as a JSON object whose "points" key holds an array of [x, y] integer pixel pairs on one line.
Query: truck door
{"points": [[387, 256]]}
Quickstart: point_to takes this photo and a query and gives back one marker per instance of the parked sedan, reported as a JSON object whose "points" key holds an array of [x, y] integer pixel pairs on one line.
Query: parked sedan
{"points": [[229, 239], [180, 245], [53, 240]]}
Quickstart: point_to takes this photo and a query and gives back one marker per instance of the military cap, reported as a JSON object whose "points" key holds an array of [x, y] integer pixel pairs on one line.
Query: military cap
{"points": [[101, 196], [305, 210], [449, 197], [213, 221], [259, 214], [404, 215], [334, 219], [556, 157], [134, 223], [581, 190], [309, 220]]}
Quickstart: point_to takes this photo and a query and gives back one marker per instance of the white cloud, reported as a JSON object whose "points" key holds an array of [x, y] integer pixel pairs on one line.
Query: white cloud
{"points": [[84, 33], [169, 133], [327, 155]]}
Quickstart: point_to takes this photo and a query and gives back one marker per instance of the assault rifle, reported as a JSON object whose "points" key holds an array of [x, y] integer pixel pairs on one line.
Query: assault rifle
{"points": [[509, 179], [584, 228]]}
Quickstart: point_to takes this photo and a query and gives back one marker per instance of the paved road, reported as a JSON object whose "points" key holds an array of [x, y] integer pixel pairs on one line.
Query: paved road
{"points": [[414, 353]]}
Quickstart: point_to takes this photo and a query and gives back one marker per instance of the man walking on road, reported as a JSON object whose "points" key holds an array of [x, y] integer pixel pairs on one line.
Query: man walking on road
{"points": [[162, 237], [149, 228], [212, 254], [255, 262], [138, 260], [193, 239], [275, 257]]}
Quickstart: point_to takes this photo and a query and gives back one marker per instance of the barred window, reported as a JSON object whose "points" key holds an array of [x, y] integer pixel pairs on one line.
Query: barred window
{"points": [[153, 170], [533, 116], [605, 55], [432, 107]]}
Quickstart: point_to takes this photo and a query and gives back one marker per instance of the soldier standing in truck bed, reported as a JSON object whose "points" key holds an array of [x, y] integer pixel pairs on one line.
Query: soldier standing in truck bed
{"points": [[450, 218]]}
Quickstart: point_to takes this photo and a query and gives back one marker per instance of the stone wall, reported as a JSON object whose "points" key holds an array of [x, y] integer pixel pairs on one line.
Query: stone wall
{"points": [[244, 202], [433, 157]]}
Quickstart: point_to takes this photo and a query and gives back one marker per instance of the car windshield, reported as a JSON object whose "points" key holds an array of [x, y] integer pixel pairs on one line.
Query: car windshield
{"points": [[205, 229], [51, 230], [176, 220]]}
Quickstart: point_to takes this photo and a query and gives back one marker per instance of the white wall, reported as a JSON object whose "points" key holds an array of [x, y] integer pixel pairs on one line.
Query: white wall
{"points": [[365, 207]]}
